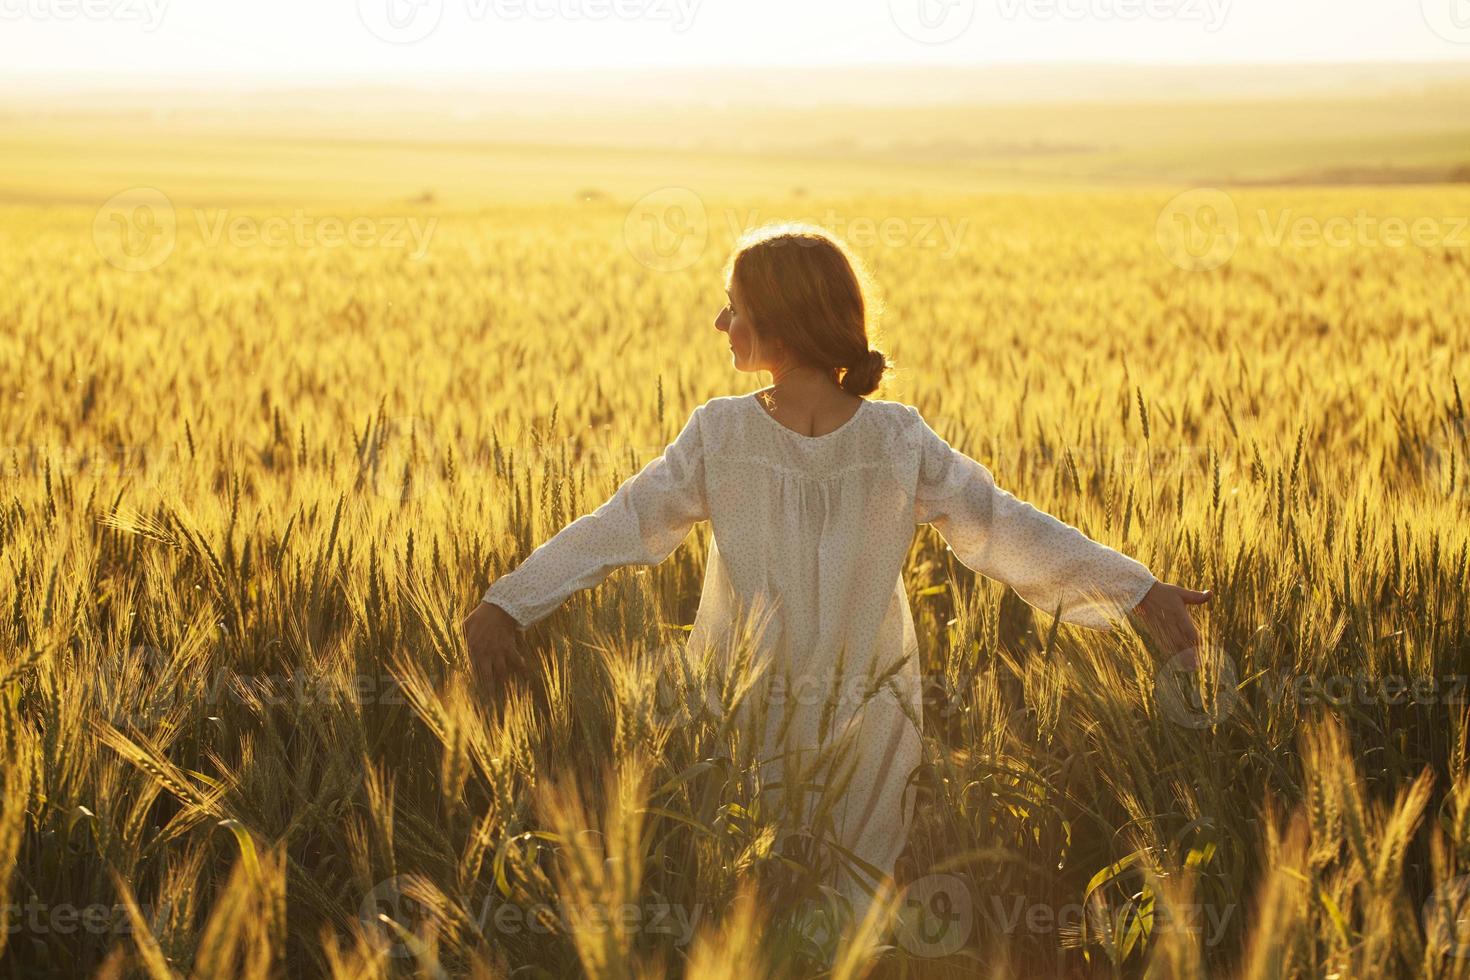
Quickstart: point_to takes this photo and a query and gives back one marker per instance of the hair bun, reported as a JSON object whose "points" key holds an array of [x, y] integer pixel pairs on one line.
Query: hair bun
{"points": [[863, 377]]}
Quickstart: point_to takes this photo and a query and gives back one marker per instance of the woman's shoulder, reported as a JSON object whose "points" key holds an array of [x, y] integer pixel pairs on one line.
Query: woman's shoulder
{"points": [[892, 409], [898, 418], [730, 407], [719, 420], [722, 403], [722, 411], [737, 426]]}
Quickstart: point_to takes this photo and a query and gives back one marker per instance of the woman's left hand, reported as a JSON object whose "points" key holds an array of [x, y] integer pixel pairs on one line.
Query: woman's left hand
{"points": [[1164, 612]]}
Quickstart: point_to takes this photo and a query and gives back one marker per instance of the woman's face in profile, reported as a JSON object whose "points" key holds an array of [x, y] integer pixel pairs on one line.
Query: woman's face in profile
{"points": [[745, 347]]}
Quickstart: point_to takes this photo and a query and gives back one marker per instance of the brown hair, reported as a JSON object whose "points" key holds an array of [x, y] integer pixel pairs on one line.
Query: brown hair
{"points": [[803, 287]]}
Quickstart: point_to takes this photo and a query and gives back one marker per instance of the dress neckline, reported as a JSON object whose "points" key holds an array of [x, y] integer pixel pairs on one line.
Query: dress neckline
{"points": [[754, 399]]}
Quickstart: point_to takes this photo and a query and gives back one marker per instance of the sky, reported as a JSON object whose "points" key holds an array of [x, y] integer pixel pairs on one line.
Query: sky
{"points": [[401, 39]]}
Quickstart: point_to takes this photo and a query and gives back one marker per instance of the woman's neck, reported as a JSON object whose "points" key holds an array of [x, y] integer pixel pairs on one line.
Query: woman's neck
{"points": [[802, 378]]}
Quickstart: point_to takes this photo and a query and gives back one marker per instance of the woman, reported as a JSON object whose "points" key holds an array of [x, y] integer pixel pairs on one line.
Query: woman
{"points": [[814, 493]]}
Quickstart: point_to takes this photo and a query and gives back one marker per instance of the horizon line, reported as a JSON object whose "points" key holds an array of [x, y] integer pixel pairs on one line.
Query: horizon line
{"points": [[396, 76]]}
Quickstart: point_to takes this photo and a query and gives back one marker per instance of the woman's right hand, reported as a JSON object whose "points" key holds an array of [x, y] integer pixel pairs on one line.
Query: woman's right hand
{"points": [[1164, 612], [490, 633]]}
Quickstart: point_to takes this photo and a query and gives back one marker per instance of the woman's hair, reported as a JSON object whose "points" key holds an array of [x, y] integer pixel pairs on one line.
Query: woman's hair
{"points": [[801, 286]]}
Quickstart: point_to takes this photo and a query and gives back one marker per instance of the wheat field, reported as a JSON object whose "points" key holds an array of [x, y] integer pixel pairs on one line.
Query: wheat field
{"points": [[255, 473]]}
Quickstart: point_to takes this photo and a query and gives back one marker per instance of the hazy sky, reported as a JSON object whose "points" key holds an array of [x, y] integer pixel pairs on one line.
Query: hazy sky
{"points": [[399, 38]]}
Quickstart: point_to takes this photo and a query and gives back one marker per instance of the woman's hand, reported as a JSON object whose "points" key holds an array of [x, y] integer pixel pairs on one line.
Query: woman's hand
{"points": [[490, 633], [1164, 612]]}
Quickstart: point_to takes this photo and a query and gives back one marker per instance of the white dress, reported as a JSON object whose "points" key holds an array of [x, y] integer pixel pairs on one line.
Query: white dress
{"points": [[809, 537]]}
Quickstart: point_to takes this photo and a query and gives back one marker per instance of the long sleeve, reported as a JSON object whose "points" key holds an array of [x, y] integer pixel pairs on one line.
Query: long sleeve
{"points": [[1050, 564], [640, 524]]}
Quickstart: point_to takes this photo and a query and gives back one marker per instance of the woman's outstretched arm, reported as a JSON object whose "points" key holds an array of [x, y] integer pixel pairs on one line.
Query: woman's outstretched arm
{"points": [[1050, 564], [640, 524]]}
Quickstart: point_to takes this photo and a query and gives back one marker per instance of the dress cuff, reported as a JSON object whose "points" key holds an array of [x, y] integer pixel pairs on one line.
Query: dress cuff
{"points": [[1132, 601], [512, 609]]}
